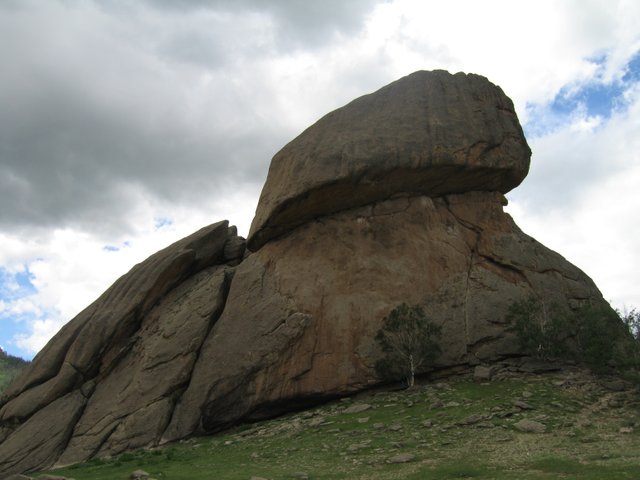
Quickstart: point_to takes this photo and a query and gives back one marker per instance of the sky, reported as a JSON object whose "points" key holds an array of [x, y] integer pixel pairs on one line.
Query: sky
{"points": [[127, 125]]}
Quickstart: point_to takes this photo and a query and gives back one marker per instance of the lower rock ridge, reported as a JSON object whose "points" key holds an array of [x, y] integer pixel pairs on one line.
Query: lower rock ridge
{"points": [[202, 335]]}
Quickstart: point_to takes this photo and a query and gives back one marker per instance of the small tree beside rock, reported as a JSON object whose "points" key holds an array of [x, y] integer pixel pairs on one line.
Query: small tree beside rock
{"points": [[596, 336], [542, 329], [409, 343]]}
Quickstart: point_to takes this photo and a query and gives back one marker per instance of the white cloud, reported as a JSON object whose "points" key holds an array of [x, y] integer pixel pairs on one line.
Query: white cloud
{"points": [[41, 331], [582, 199], [20, 307], [74, 267]]}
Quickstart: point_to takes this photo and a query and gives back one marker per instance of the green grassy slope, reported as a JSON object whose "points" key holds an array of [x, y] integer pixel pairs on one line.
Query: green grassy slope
{"points": [[448, 430]]}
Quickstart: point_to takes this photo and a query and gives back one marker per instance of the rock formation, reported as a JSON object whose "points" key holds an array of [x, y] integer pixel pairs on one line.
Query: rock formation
{"points": [[429, 133], [396, 197]]}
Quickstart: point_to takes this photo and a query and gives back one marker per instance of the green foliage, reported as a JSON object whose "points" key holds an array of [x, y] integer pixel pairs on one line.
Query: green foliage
{"points": [[599, 333], [409, 342], [631, 320], [10, 367], [541, 329], [595, 336]]}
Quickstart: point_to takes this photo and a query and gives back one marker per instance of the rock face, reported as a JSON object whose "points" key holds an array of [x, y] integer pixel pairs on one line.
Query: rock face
{"points": [[108, 380], [396, 197], [429, 133]]}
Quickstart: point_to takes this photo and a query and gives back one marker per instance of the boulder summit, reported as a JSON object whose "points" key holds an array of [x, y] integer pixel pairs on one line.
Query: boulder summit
{"points": [[429, 133], [394, 198]]}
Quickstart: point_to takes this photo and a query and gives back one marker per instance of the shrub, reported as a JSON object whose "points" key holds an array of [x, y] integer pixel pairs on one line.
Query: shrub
{"points": [[631, 319], [595, 336], [628, 353], [409, 344], [599, 332], [542, 329]]}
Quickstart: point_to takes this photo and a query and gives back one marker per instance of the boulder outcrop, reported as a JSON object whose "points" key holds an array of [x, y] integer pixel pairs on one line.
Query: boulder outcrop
{"points": [[396, 197], [428, 133], [108, 380]]}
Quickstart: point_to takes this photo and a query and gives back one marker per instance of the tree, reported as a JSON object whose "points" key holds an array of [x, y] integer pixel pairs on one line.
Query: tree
{"points": [[631, 319], [600, 332], [541, 329], [594, 335], [409, 344]]}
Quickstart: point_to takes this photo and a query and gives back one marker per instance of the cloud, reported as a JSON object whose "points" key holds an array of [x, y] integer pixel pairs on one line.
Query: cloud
{"points": [[575, 150], [294, 24], [41, 330], [581, 198], [97, 115], [75, 265]]}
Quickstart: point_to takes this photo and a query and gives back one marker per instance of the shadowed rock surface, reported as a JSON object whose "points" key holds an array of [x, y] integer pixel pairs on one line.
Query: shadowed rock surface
{"points": [[200, 336]]}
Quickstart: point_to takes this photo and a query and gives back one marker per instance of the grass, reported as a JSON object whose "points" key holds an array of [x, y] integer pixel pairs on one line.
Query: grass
{"points": [[453, 430]]}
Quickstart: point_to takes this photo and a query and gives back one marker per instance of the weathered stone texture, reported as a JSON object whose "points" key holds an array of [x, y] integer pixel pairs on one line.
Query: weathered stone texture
{"points": [[428, 133], [121, 362], [348, 270]]}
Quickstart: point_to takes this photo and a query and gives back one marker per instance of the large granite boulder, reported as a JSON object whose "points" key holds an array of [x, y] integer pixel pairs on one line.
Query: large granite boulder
{"points": [[397, 197], [429, 133]]}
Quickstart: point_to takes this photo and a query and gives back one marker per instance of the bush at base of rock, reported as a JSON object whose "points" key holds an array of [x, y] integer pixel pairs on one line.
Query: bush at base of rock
{"points": [[542, 329], [594, 336]]}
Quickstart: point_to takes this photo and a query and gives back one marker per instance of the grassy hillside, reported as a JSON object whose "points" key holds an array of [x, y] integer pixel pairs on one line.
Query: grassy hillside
{"points": [[9, 367], [448, 430]]}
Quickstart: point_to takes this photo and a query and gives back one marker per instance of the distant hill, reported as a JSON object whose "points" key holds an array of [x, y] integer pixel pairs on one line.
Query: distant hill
{"points": [[10, 366]]}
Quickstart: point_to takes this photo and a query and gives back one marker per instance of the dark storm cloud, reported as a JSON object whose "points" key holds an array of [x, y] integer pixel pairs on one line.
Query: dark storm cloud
{"points": [[69, 162], [102, 102], [299, 23]]}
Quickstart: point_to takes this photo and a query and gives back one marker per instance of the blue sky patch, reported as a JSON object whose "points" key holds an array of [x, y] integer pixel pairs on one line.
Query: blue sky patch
{"points": [[162, 222], [597, 99], [590, 99], [114, 248], [14, 287], [633, 70]]}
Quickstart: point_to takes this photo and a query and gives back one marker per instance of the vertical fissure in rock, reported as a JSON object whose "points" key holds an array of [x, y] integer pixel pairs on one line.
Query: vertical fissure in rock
{"points": [[72, 427], [466, 297], [213, 319], [119, 343], [472, 258]]}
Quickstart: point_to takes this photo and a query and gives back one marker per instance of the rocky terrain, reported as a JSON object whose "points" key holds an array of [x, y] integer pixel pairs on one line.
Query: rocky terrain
{"points": [[519, 425], [396, 197]]}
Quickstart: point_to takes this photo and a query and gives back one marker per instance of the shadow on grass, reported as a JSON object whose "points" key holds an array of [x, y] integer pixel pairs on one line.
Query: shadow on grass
{"points": [[566, 468]]}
